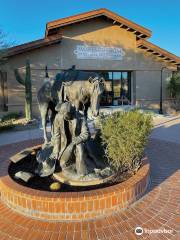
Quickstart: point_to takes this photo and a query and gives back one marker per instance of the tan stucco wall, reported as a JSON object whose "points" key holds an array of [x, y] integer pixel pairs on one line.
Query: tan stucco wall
{"points": [[148, 87], [99, 33], [39, 59], [61, 56], [148, 78]]}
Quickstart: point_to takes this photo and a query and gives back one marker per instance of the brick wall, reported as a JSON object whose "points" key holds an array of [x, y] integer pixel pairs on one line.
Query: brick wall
{"points": [[74, 205]]}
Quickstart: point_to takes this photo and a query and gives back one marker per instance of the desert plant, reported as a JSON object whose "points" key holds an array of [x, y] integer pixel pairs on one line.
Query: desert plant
{"points": [[174, 85], [125, 135], [26, 82]]}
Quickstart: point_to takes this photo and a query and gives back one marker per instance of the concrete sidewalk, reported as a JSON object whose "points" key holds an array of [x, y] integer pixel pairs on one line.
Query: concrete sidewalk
{"points": [[166, 128], [19, 136]]}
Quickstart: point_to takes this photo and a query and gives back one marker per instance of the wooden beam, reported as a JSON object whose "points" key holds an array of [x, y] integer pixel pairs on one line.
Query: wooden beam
{"points": [[143, 36], [157, 54], [138, 33], [162, 56], [131, 30], [150, 50], [124, 26], [144, 48]]}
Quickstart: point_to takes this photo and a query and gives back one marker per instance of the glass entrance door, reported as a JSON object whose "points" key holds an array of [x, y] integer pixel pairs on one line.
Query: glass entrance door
{"points": [[125, 95], [117, 88], [117, 84]]}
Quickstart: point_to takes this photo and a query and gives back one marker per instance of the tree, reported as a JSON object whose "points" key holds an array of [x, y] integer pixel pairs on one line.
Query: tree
{"points": [[174, 89], [174, 85], [4, 45]]}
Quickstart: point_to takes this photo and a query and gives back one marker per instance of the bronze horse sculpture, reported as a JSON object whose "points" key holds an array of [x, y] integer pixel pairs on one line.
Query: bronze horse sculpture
{"points": [[81, 88]]}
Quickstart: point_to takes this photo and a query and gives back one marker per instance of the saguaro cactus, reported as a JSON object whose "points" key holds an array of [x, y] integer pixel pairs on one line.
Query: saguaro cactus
{"points": [[26, 82]]}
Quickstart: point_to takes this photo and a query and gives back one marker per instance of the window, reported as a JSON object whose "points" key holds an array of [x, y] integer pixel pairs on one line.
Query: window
{"points": [[117, 88]]}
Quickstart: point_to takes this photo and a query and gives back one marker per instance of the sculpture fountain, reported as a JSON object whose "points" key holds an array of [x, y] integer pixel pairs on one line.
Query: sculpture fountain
{"points": [[69, 177], [71, 156]]}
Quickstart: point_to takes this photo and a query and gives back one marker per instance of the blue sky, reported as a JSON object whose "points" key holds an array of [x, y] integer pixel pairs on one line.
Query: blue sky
{"points": [[25, 21]]}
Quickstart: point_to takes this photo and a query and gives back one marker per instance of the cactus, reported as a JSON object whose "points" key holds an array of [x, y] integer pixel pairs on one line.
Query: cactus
{"points": [[26, 82]]}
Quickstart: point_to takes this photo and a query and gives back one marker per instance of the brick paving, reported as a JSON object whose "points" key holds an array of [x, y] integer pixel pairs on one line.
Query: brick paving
{"points": [[167, 128], [158, 209]]}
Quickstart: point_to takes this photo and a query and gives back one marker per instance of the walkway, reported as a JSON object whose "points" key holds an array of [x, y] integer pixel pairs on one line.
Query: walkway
{"points": [[19, 136], [166, 128], [158, 210]]}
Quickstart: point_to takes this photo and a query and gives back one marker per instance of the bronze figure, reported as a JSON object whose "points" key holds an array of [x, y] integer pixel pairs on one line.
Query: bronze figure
{"points": [[69, 141], [81, 88]]}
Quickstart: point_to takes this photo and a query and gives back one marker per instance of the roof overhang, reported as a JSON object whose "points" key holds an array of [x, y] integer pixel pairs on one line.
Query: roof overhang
{"points": [[159, 52], [141, 32], [33, 45]]}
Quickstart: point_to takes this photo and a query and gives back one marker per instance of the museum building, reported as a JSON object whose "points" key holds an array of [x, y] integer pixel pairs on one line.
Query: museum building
{"points": [[99, 41]]}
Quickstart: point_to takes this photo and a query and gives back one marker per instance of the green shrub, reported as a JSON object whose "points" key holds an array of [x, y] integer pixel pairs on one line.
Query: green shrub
{"points": [[174, 90], [124, 135], [174, 85], [6, 122], [10, 116], [6, 125]]}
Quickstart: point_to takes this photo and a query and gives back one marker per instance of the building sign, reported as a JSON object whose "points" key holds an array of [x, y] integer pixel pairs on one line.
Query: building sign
{"points": [[97, 52]]}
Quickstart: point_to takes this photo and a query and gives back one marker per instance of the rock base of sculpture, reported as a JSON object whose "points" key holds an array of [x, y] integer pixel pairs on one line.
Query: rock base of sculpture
{"points": [[96, 178], [68, 179]]}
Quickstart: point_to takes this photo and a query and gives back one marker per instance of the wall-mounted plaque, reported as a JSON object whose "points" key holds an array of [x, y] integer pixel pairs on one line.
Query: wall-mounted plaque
{"points": [[97, 52]]}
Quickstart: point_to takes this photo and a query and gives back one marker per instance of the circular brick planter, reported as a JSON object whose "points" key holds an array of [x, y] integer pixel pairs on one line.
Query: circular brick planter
{"points": [[74, 205]]}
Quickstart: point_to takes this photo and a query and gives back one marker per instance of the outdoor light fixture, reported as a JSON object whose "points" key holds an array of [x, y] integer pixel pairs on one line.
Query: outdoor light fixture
{"points": [[46, 72]]}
